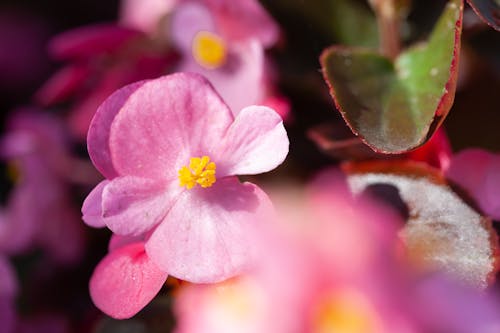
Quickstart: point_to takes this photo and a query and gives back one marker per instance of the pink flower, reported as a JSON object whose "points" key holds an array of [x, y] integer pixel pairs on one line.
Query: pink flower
{"points": [[321, 279], [478, 172], [39, 211], [144, 15], [224, 41], [238, 19], [170, 149], [102, 58], [339, 274]]}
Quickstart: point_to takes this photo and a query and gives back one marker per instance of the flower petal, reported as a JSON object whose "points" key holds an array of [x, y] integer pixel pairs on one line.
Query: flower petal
{"points": [[98, 134], [240, 81], [63, 84], [90, 40], [144, 15], [132, 205], [256, 142], [245, 19], [118, 241], [164, 123], [92, 206], [125, 281], [205, 236], [188, 19]]}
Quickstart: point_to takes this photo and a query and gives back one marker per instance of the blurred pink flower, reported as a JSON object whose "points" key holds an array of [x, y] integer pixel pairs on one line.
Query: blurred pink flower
{"points": [[238, 20], [478, 172], [39, 211], [339, 273], [170, 149], [145, 15], [322, 278], [224, 41], [102, 58]]}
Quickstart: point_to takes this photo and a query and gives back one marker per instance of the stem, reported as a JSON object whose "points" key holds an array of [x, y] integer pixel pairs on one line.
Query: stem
{"points": [[390, 14]]}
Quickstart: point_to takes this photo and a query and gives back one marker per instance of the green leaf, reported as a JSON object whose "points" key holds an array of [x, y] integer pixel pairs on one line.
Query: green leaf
{"points": [[395, 106], [488, 11]]}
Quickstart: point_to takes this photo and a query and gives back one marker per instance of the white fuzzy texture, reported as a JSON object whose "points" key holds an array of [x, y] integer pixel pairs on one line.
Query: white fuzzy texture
{"points": [[441, 221]]}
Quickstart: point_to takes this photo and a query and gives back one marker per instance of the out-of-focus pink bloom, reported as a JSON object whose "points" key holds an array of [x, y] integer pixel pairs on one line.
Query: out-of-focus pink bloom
{"points": [[126, 280], [8, 291], [39, 211], [441, 305], [239, 20], [302, 282], [478, 172], [224, 41], [220, 39], [102, 58], [170, 150], [145, 15]]}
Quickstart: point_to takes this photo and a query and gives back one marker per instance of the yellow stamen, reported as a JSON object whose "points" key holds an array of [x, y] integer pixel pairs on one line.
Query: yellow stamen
{"points": [[209, 50], [347, 312], [201, 171]]}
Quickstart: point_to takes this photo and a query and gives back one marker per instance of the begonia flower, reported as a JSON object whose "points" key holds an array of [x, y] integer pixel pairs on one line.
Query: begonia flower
{"points": [[478, 172], [224, 41], [170, 149], [144, 15], [102, 58], [38, 211]]}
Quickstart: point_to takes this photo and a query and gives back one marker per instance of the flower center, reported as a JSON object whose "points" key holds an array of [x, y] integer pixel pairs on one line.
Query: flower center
{"points": [[209, 50], [345, 313], [201, 171]]}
